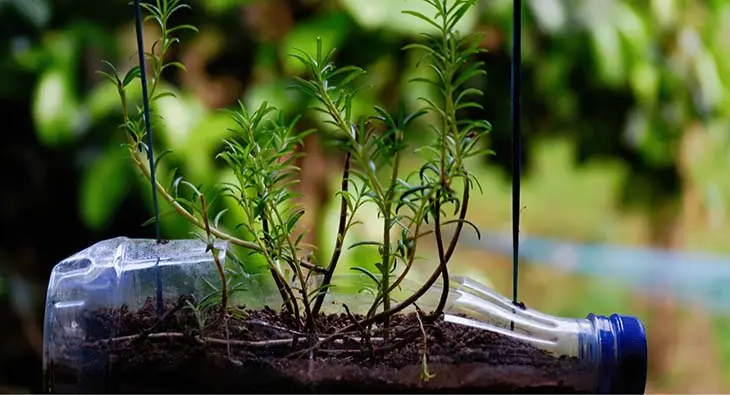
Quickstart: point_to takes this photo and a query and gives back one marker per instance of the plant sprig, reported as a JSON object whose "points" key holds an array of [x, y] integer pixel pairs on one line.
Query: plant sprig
{"points": [[407, 204], [263, 148], [262, 159]]}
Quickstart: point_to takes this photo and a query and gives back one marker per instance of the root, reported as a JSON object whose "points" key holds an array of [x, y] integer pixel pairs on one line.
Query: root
{"points": [[274, 327], [360, 341], [228, 337], [182, 302], [367, 343], [231, 342], [396, 342], [386, 345], [425, 374], [221, 271]]}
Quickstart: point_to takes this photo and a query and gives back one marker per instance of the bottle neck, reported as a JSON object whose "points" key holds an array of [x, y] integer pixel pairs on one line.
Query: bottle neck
{"points": [[603, 347], [612, 350], [556, 335]]}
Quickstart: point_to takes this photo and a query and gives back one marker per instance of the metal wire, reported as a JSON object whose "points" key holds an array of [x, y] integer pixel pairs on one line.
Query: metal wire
{"points": [[146, 103], [150, 151], [516, 98]]}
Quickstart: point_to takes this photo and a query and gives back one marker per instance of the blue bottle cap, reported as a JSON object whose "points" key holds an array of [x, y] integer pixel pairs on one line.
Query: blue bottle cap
{"points": [[623, 366]]}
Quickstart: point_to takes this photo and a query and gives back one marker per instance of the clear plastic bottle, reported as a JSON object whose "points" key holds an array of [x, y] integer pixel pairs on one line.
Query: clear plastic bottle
{"points": [[612, 350], [106, 276], [607, 354]]}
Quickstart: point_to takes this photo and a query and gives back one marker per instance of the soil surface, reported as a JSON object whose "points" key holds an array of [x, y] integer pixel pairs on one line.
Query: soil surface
{"points": [[184, 352]]}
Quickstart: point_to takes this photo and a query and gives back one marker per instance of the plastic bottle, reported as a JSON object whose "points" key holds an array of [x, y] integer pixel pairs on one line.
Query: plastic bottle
{"points": [[132, 273], [611, 349], [108, 275]]}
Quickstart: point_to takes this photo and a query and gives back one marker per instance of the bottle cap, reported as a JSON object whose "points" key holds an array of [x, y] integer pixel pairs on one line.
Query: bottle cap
{"points": [[622, 341]]}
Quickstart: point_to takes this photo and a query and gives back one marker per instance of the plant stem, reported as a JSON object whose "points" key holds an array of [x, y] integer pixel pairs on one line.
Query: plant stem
{"points": [[187, 215], [443, 267], [418, 221], [385, 268], [280, 286], [450, 126], [425, 374], [444, 258], [345, 128], [385, 282], [341, 233], [462, 218], [197, 222], [365, 322], [287, 293], [147, 172], [219, 266], [296, 266], [377, 317]]}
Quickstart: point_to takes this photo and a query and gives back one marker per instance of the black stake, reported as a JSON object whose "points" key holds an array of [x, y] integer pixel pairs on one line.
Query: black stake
{"points": [[150, 151], [516, 88], [146, 103]]}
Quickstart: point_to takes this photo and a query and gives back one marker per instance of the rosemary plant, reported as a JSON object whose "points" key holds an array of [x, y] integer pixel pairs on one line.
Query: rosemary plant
{"points": [[262, 149]]}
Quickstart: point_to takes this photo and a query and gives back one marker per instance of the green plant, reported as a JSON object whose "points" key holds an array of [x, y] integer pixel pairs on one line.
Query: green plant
{"points": [[262, 149]]}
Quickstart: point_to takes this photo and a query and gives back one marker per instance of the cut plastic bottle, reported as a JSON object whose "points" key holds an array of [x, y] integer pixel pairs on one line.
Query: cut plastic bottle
{"points": [[120, 275], [112, 274], [612, 349]]}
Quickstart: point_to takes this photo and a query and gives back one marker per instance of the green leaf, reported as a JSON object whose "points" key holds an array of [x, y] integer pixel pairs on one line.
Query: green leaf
{"points": [[159, 159], [402, 16], [130, 76], [182, 27], [367, 272], [217, 219], [645, 83], [365, 243], [423, 18], [102, 101], [104, 184], [112, 76], [332, 29], [223, 6], [175, 64], [607, 52], [153, 219], [55, 110]]}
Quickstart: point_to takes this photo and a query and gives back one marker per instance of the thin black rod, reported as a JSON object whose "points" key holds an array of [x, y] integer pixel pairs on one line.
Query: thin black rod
{"points": [[146, 103], [516, 98]]}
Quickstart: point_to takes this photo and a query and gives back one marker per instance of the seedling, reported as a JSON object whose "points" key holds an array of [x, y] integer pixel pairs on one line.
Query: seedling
{"points": [[264, 146], [461, 337]]}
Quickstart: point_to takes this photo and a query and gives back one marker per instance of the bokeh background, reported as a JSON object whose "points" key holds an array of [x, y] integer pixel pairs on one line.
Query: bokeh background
{"points": [[626, 161]]}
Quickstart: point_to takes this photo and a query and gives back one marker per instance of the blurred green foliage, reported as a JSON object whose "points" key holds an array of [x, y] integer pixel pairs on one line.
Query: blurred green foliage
{"points": [[648, 70], [613, 91]]}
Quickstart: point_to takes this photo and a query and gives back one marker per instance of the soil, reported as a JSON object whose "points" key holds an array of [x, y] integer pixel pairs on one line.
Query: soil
{"points": [[183, 354]]}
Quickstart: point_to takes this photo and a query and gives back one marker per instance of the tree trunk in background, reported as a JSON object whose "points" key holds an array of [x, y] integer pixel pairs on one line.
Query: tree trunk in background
{"points": [[695, 355], [314, 188], [681, 345], [664, 231]]}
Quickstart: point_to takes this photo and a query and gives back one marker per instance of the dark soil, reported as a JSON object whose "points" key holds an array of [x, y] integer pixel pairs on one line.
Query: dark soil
{"points": [[181, 354]]}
